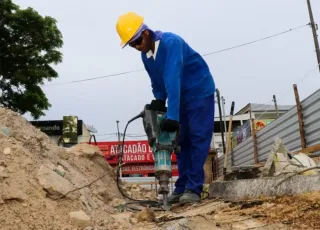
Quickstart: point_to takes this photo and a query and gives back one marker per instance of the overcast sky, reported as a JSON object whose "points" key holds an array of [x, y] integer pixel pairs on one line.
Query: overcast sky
{"points": [[251, 73]]}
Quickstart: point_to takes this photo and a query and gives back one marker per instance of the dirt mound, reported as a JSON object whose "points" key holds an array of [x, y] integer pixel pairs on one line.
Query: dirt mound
{"points": [[35, 173]]}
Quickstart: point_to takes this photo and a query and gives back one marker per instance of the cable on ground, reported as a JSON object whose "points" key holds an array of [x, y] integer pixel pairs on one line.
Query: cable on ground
{"points": [[295, 174], [154, 204], [82, 187]]}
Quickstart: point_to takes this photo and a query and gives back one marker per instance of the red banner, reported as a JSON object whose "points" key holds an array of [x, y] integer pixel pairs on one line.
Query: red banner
{"points": [[134, 152], [144, 169]]}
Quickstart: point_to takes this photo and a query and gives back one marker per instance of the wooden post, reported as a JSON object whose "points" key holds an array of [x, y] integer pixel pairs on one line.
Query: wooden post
{"points": [[228, 140], [276, 105], [300, 118], [255, 144], [232, 155]]}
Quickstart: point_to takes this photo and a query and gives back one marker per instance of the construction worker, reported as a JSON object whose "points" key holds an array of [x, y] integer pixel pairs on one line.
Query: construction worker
{"points": [[179, 75]]}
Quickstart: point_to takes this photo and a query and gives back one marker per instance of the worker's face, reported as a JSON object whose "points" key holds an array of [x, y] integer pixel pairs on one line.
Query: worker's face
{"points": [[143, 43]]}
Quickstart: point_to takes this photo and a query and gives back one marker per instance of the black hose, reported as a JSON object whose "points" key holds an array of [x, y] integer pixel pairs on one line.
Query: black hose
{"points": [[120, 159]]}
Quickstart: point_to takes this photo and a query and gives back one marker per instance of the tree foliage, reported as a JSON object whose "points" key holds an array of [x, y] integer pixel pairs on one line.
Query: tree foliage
{"points": [[29, 44]]}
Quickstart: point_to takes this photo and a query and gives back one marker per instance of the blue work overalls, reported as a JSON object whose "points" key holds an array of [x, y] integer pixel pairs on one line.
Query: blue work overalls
{"points": [[181, 76]]}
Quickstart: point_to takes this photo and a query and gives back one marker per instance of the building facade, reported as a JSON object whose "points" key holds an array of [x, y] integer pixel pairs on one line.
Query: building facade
{"points": [[66, 132]]}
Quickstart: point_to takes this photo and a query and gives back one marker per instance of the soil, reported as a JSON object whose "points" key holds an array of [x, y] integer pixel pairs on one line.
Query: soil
{"points": [[287, 212]]}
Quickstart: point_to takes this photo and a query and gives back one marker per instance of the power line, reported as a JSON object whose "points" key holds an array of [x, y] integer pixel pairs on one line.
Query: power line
{"points": [[204, 55], [96, 78], [289, 90], [104, 134], [258, 40]]}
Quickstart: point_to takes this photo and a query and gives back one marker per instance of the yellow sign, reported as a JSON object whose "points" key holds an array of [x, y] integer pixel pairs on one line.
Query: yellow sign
{"points": [[70, 129]]}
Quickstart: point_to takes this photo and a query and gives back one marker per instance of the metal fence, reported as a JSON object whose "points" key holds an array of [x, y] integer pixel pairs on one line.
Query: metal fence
{"points": [[286, 127]]}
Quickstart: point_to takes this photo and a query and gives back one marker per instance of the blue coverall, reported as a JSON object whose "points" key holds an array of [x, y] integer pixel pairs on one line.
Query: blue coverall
{"points": [[181, 76]]}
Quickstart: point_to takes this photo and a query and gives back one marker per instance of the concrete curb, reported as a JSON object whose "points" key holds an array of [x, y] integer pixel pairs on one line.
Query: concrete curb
{"points": [[254, 188]]}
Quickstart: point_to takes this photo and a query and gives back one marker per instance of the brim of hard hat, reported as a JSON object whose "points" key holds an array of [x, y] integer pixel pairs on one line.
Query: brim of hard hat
{"points": [[135, 37]]}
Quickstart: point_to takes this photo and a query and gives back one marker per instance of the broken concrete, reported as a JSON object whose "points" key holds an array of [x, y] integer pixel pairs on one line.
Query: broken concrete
{"points": [[280, 161], [267, 186], [84, 150], [52, 182], [80, 218], [7, 151], [179, 225], [5, 131], [243, 172]]}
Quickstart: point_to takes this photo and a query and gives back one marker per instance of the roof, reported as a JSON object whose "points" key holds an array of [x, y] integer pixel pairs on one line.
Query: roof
{"points": [[262, 107]]}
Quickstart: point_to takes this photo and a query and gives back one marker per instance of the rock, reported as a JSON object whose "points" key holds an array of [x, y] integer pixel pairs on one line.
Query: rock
{"points": [[100, 191], [79, 218], [85, 150], [116, 202], [7, 151], [133, 221], [3, 174], [88, 203], [11, 168], [5, 131], [24, 204], [148, 195], [179, 225], [98, 228], [147, 214], [94, 228], [268, 205], [60, 170], [2, 110], [52, 182], [134, 186], [13, 194], [129, 193]]}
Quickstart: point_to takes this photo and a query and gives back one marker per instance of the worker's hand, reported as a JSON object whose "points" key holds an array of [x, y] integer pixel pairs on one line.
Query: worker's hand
{"points": [[158, 105], [169, 125]]}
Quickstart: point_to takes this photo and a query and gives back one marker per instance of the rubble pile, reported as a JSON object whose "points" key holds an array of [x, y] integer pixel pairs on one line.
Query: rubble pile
{"points": [[35, 173], [137, 192]]}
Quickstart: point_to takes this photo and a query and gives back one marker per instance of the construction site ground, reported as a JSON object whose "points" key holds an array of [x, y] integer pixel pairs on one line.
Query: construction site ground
{"points": [[287, 212], [44, 186]]}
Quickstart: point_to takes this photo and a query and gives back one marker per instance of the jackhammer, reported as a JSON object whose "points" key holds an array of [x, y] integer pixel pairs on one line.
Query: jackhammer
{"points": [[163, 144]]}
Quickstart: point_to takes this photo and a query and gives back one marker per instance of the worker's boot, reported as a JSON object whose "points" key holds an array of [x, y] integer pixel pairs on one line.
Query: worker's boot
{"points": [[174, 198], [189, 197]]}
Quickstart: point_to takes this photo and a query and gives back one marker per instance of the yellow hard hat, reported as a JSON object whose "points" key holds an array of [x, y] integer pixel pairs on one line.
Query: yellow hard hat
{"points": [[127, 26]]}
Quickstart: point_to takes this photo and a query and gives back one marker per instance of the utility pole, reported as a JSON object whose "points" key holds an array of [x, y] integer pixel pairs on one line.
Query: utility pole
{"points": [[276, 105], [221, 125], [118, 132], [224, 114], [118, 150], [314, 28]]}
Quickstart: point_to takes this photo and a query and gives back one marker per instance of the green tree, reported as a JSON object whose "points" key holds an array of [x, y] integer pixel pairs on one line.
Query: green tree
{"points": [[29, 44]]}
